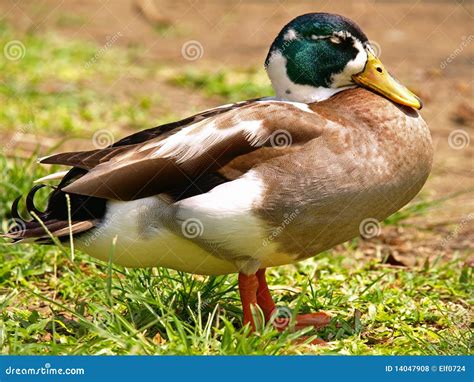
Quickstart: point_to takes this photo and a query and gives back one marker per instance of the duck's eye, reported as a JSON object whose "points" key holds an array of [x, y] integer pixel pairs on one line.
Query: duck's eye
{"points": [[335, 39]]}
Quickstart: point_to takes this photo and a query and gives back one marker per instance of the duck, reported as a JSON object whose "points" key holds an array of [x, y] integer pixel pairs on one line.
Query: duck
{"points": [[256, 184]]}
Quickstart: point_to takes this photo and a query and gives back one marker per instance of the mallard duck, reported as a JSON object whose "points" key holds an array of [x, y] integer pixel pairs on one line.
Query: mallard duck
{"points": [[254, 184]]}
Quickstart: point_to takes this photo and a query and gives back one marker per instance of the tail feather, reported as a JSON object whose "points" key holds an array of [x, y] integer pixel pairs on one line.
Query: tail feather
{"points": [[43, 232], [30, 197], [60, 218]]}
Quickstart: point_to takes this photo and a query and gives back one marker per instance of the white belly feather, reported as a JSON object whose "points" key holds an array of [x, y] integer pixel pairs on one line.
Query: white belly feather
{"points": [[221, 217]]}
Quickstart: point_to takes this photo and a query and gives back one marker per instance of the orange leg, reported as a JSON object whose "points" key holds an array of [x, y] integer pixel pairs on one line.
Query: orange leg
{"points": [[264, 298], [248, 286]]}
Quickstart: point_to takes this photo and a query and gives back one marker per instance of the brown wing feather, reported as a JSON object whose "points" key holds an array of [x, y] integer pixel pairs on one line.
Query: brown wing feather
{"points": [[92, 158], [84, 159], [135, 178], [178, 158]]}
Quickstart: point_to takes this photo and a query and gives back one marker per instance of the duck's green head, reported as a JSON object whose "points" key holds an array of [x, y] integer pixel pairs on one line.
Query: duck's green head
{"points": [[319, 54]]}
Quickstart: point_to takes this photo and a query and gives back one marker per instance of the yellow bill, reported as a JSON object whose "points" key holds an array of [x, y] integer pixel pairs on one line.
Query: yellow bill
{"points": [[376, 77]]}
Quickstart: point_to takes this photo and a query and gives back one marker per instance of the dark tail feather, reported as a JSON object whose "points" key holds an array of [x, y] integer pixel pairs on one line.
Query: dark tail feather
{"points": [[85, 213], [42, 226], [30, 197], [14, 209]]}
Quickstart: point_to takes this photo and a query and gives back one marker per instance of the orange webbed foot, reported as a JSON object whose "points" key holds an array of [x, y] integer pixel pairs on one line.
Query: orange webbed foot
{"points": [[254, 291], [317, 320], [282, 318]]}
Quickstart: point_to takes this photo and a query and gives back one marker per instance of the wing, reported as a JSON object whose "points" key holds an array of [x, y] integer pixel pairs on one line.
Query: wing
{"points": [[180, 156]]}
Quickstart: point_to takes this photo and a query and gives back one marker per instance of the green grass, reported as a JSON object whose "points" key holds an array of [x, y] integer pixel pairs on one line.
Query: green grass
{"points": [[54, 303], [233, 86], [51, 304], [69, 87]]}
